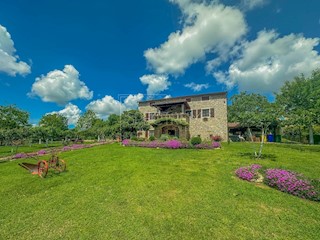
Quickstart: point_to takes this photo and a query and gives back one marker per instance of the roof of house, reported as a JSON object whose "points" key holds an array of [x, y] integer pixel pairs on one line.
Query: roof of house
{"points": [[179, 99]]}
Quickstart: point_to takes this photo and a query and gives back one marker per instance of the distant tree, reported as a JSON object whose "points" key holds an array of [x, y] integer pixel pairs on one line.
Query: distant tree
{"points": [[86, 121], [54, 124], [253, 110], [113, 126], [12, 117], [300, 102], [132, 121]]}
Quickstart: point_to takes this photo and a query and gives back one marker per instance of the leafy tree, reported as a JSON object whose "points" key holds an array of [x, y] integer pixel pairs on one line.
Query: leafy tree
{"points": [[132, 121], [300, 102], [113, 126], [54, 125], [12, 117], [253, 110], [87, 120]]}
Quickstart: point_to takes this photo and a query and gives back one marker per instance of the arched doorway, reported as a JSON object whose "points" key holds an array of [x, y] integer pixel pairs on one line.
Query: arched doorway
{"points": [[171, 130]]}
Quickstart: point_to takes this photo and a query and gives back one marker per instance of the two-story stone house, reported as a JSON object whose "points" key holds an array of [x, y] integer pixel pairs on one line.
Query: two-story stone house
{"points": [[203, 115]]}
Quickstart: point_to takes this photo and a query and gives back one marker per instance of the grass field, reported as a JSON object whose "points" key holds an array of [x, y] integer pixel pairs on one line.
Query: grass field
{"points": [[115, 192]]}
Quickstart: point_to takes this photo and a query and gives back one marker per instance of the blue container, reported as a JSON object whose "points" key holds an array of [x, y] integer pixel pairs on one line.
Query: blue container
{"points": [[270, 138]]}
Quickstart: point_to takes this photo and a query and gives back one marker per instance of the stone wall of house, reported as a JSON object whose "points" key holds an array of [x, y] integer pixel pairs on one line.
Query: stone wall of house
{"points": [[215, 124], [209, 126]]}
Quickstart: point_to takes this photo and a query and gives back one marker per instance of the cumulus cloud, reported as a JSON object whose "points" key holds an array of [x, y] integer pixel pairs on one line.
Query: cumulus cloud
{"points": [[208, 28], [197, 87], [60, 86], [9, 62], [167, 96], [264, 64], [251, 4], [108, 105], [132, 101], [71, 112], [156, 83]]}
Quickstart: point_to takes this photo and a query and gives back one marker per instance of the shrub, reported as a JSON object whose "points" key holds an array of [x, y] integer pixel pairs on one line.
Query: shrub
{"points": [[292, 183], [152, 138], [134, 138], [216, 138], [42, 152], [195, 141], [249, 173], [216, 145], [164, 137], [126, 142], [173, 144]]}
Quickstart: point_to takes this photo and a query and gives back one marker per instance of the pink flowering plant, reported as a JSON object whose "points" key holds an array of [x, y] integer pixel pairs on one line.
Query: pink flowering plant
{"points": [[292, 183], [249, 173]]}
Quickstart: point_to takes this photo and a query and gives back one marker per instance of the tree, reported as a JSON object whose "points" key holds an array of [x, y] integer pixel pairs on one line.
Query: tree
{"points": [[300, 101], [132, 121], [253, 110], [12, 117], [87, 120], [55, 124]]}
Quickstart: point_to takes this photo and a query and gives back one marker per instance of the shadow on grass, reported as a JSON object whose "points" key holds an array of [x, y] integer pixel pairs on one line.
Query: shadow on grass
{"points": [[250, 155]]}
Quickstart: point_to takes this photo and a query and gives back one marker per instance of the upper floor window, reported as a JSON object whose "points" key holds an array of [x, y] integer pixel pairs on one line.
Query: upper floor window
{"points": [[205, 98], [205, 112]]}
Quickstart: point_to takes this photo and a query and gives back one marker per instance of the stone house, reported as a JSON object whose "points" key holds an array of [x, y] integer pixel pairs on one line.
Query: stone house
{"points": [[203, 115]]}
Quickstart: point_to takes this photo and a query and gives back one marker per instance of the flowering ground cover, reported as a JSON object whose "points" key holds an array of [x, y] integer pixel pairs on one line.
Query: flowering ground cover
{"points": [[116, 192], [170, 144], [283, 180]]}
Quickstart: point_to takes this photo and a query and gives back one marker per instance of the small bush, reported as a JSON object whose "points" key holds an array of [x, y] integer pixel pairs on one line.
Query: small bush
{"points": [[152, 138], [173, 144], [292, 183], [195, 141], [249, 173], [216, 138], [134, 138], [216, 145], [164, 137]]}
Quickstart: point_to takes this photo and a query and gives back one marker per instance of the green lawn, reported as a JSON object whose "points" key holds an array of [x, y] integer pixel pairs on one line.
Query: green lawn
{"points": [[115, 192]]}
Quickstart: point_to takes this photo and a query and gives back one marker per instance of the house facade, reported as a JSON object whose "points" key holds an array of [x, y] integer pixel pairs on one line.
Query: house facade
{"points": [[203, 115]]}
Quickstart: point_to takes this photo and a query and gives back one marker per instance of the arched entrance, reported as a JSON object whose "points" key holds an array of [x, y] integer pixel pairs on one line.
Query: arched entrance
{"points": [[171, 130]]}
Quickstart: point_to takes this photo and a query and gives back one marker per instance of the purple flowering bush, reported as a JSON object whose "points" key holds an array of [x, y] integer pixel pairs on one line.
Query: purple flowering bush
{"points": [[249, 173], [42, 152], [292, 183], [174, 144], [170, 144], [20, 155]]}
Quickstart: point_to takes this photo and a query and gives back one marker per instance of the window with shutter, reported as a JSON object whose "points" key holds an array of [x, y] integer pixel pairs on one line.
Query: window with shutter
{"points": [[194, 113], [147, 116], [199, 113], [212, 112]]}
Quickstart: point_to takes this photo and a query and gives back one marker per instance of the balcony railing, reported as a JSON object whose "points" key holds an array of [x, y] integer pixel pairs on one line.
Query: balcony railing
{"points": [[183, 116]]}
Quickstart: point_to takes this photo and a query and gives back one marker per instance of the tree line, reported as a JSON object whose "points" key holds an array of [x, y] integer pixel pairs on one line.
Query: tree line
{"points": [[296, 107]]}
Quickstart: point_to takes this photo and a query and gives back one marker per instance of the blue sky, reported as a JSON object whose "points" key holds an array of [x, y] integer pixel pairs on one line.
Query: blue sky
{"points": [[70, 56]]}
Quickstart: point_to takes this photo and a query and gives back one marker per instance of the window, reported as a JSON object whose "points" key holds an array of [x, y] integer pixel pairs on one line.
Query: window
{"points": [[205, 113], [189, 113], [151, 116], [205, 98]]}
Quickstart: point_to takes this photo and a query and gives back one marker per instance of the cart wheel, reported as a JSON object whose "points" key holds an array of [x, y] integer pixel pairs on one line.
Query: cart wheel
{"points": [[62, 166], [42, 168]]}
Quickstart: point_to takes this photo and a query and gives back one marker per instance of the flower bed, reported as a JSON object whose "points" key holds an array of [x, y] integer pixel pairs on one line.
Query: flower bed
{"points": [[291, 182], [170, 144], [250, 173], [283, 180]]}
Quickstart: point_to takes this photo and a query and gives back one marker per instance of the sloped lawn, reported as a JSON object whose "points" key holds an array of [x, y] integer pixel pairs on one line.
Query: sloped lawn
{"points": [[115, 192]]}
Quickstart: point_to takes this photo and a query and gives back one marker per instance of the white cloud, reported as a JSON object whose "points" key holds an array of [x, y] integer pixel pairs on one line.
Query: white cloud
{"points": [[9, 62], [132, 100], [156, 83], [108, 105], [71, 112], [265, 63], [251, 4], [61, 86], [167, 96], [208, 28], [197, 87]]}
